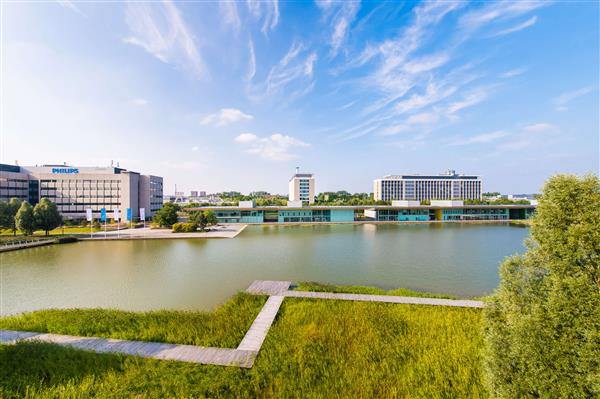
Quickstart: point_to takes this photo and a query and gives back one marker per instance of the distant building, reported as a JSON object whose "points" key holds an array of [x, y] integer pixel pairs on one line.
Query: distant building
{"points": [[75, 189], [302, 187], [415, 187], [193, 193]]}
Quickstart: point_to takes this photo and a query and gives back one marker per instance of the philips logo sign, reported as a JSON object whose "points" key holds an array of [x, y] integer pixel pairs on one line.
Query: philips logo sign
{"points": [[65, 170]]}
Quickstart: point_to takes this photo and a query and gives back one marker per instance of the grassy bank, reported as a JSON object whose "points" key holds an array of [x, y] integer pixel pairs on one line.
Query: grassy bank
{"points": [[316, 348]]}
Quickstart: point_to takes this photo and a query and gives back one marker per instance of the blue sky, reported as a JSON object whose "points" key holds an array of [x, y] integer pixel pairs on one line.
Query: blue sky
{"points": [[233, 95]]}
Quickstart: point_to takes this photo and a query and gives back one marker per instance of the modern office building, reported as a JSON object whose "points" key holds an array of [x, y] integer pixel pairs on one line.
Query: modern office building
{"points": [[445, 186], [75, 189], [302, 187], [441, 211]]}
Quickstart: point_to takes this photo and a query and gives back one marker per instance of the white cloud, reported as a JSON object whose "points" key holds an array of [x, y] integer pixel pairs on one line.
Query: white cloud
{"points": [[513, 72], [498, 10], [246, 138], [562, 100], [276, 147], [340, 23], [252, 61], [481, 138], [524, 25], [294, 69], [139, 102], [230, 15], [471, 99], [426, 63], [268, 10], [195, 148], [71, 6], [225, 116], [539, 127], [161, 31], [423, 118]]}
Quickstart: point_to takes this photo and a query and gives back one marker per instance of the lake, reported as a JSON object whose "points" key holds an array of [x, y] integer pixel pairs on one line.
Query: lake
{"points": [[453, 258]]}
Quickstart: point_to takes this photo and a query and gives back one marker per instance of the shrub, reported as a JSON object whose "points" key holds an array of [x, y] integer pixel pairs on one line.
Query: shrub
{"points": [[185, 227]]}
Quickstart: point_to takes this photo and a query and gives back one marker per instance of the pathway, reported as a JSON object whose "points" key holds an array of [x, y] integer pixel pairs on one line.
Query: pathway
{"points": [[247, 350]]}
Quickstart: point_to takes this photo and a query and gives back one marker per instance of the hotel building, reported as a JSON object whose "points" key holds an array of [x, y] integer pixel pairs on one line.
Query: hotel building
{"points": [[75, 189], [414, 187], [302, 188]]}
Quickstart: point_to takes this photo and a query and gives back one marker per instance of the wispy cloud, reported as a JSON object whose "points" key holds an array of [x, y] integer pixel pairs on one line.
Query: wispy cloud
{"points": [[480, 138], [339, 18], [470, 99], [276, 147], [230, 15], [497, 11], [523, 25], [71, 6], [294, 70], [267, 10], [225, 116], [513, 72], [139, 101], [539, 127], [565, 98], [161, 31], [251, 61]]}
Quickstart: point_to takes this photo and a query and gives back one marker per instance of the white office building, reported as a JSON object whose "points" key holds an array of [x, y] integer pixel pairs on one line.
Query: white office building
{"points": [[75, 189], [415, 187], [302, 188]]}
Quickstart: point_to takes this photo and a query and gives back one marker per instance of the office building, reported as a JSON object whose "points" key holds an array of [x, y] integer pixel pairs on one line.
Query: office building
{"points": [[302, 187], [75, 189], [414, 187]]}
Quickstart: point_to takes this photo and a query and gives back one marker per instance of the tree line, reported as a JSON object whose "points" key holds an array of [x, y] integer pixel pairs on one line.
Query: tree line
{"points": [[19, 215]]}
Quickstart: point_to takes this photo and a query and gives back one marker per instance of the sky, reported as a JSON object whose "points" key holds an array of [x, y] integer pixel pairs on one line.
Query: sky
{"points": [[233, 95]]}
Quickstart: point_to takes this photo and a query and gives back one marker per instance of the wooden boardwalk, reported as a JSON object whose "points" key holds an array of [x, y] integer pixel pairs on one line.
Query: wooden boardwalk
{"points": [[248, 349], [463, 303]]}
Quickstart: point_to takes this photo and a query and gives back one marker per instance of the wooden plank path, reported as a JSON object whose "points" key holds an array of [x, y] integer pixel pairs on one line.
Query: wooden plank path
{"points": [[463, 303], [248, 349], [154, 350]]}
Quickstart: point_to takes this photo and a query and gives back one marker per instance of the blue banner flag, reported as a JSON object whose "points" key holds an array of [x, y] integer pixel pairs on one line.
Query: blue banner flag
{"points": [[103, 214], [128, 214]]}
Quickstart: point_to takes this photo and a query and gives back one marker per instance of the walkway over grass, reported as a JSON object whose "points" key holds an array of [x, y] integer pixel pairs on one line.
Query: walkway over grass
{"points": [[248, 348]]}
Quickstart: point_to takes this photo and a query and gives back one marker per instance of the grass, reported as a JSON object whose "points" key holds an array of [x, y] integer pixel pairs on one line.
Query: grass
{"points": [[225, 327], [360, 289], [315, 349]]}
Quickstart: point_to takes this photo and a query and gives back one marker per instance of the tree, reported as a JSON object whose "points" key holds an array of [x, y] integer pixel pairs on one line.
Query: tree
{"points": [[203, 218], [46, 215], [210, 218], [24, 219], [167, 215], [542, 325], [8, 211]]}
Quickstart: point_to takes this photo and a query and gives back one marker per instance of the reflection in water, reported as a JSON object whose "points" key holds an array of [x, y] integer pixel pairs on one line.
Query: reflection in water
{"points": [[199, 274]]}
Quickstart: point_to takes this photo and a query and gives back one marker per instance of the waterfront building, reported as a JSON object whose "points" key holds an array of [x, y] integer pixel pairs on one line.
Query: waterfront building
{"points": [[75, 189], [438, 211], [415, 187], [302, 187]]}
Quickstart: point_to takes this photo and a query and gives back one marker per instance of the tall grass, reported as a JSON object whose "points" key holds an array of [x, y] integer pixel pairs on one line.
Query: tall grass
{"points": [[315, 349], [225, 327], [360, 289]]}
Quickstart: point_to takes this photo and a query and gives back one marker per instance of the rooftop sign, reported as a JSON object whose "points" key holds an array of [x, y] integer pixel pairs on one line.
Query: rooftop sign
{"points": [[65, 170]]}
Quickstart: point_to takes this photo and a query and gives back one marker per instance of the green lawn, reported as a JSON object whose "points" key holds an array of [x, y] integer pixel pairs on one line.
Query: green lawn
{"points": [[60, 231], [316, 348]]}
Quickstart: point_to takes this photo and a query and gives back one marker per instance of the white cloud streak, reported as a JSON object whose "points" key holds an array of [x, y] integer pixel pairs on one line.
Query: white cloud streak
{"points": [[161, 31], [524, 25], [225, 116], [230, 15], [565, 98], [276, 147], [267, 10]]}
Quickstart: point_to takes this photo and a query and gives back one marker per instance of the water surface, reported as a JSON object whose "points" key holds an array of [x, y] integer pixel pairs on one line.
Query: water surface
{"points": [[460, 259]]}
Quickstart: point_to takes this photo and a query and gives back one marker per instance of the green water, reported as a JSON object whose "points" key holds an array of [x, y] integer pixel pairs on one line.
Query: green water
{"points": [[457, 259]]}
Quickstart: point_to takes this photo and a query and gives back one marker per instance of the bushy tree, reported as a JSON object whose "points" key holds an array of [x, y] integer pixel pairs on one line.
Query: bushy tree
{"points": [[542, 325], [46, 215], [167, 215], [24, 219], [8, 211], [210, 218], [203, 218]]}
